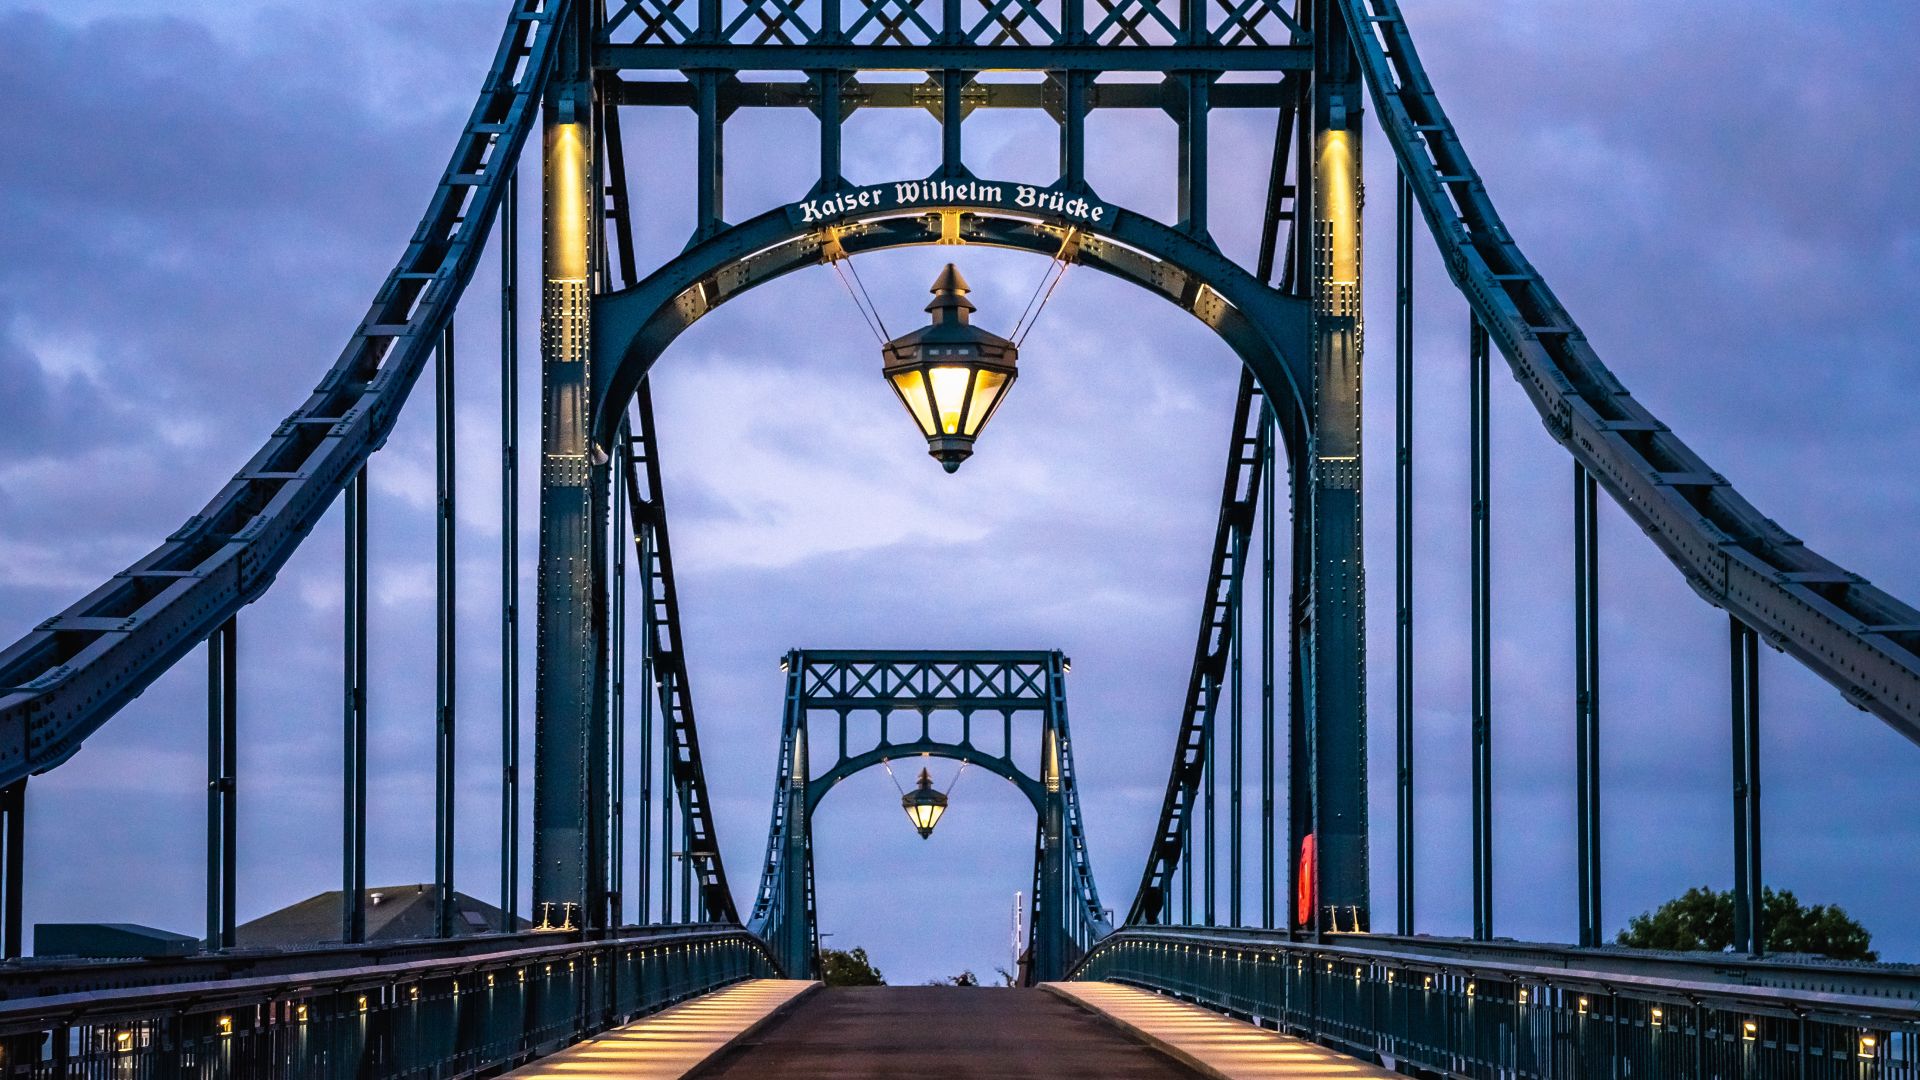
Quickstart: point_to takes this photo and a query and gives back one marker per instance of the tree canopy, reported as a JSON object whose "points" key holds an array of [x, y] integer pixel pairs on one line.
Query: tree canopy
{"points": [[849, 968], [1702, 919]]}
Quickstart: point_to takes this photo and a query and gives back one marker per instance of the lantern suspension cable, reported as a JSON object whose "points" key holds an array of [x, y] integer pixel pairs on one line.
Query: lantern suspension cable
{"points": [[885, 764], [862, 300], [1056, 270], [951, 784]]}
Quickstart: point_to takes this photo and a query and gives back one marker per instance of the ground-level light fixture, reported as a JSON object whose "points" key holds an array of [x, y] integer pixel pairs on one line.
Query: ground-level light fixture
{"points": [[950, 374], [924, 805]]}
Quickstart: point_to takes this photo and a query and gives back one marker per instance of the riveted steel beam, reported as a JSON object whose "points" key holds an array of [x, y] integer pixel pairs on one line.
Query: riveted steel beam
{"points": [[957, 57]]}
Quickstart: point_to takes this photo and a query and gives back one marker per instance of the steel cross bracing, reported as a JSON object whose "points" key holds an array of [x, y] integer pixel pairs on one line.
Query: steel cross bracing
{"points": [[1067, 914], [965, 35], [66, 678], [1857, 637]]}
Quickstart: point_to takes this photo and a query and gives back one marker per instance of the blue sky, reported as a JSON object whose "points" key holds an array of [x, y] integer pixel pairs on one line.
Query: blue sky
{"points": [[201, 198]]}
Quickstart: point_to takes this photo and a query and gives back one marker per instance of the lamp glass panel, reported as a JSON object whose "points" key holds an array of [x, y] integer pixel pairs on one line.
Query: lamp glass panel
{"points": [[949, 395], [911, 385], [925, 815], [987, 387]]}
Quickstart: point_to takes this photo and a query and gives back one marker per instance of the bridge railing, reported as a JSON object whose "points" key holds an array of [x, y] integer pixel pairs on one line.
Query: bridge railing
{"points": [[451, 1016], [1469, 1017]]}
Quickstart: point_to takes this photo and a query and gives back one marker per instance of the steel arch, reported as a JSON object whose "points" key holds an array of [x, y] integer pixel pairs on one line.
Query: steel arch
{"points": [[1267, 329]]}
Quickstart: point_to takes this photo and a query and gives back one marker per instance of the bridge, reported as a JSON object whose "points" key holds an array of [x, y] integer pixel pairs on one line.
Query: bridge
{"points": [[1248, 942]]}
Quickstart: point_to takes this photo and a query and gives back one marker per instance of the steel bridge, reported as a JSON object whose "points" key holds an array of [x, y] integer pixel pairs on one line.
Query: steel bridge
{"points": [[615, 942]]}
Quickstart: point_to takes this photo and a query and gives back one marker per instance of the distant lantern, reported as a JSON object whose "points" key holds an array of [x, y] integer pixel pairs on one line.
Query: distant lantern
{"points": [[923, 804], [950, 374]]}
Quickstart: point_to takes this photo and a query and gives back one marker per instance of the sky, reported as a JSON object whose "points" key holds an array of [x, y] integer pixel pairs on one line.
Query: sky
{"points": [[200, 199]]}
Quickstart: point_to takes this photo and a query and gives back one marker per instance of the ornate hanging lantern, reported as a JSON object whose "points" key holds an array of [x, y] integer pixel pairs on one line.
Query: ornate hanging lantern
{"points": [[923, 804], [950, 374]]}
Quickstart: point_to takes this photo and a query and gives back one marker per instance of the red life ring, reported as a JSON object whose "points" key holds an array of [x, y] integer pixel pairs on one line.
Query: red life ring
{"points": [[1308, 888]]}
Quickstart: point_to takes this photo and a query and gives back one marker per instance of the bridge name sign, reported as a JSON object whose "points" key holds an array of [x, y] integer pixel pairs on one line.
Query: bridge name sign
{"points": [[909, 194]]}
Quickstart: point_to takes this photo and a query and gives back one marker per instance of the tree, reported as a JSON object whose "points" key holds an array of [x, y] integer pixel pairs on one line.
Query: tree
{"points": [[965, 978], [849, 968], [1702, 919]]}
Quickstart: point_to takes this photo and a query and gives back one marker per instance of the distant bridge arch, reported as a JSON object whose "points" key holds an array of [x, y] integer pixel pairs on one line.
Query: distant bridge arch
{"points": [[1066, 913]]}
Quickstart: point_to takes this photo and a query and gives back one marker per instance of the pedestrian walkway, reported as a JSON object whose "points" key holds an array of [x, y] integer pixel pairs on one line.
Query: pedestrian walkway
{"points": [[950, 1032], [673, 1042], [1213, 1045]]}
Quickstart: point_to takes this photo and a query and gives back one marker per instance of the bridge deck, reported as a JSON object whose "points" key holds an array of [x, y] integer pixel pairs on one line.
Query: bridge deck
{"points": [[854, 1033], [672, 1043], [1215, 1045]]}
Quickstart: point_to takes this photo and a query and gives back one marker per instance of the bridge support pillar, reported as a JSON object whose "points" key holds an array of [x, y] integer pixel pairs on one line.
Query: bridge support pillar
{"points": [[796, 944], [1050, 892], [570, 747], [1334, 784]]}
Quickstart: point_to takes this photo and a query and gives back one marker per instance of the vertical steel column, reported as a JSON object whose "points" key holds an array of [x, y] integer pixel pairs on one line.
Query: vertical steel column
{"points": [[222, 767], [444, 652], [1403, 546], [1235, 720], [1749, 928], [1050, 923], [1586, 670], [1192, 195], [795, 933], [353, 793], [669, 791], [1267, 744], [710, 152], [570, 774], [1208, 815], [686, 865], [1336, 677], [643, 831], [1482, 640], [13, 806], [1073, 129], [832, 114], [952, 113], [617, 699], [1186, 872], [1300, 772], [510, 555]]}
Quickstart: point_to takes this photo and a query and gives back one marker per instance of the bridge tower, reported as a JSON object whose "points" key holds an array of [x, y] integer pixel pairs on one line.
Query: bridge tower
{"points": [[990, 691]]}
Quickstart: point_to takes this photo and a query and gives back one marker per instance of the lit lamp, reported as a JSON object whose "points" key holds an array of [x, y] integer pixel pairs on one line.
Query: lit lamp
{"points": [[923, 804], [950, 374]]}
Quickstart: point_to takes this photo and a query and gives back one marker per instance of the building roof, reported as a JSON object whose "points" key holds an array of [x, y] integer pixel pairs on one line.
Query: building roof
{"points": [[394, 913]]}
